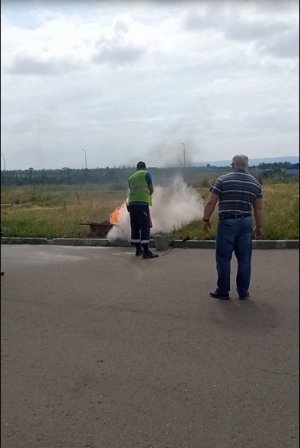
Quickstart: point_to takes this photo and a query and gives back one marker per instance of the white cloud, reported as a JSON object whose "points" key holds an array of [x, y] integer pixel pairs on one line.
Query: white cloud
{"points": [[133, 80]]}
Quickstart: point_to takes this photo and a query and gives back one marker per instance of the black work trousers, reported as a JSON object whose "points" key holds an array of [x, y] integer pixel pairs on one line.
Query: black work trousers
{"points": [[139, 223]]}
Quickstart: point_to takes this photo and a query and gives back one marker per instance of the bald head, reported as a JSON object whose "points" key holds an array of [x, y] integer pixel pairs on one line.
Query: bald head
{"points": [[239, 162]]}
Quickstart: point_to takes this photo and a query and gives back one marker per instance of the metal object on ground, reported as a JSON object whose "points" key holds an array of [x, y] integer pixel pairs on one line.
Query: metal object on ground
{"points": [[99, 229], [176, 245], [161, 242]]}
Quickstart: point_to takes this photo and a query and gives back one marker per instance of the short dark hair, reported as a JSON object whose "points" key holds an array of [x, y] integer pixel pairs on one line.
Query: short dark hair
{"points": [[141, 166]]}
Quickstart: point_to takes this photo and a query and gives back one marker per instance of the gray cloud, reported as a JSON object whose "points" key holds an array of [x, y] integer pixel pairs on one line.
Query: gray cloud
{"points": [[116, 53], [118, 48], [285, 45], [197, 20], [24, 64], [241, 29], [271, 35]]}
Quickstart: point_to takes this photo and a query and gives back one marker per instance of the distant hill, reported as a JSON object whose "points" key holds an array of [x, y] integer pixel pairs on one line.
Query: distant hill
{"points": [[252, 162]]}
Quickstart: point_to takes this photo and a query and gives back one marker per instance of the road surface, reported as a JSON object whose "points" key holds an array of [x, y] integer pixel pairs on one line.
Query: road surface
{"points": [[101, 349]]}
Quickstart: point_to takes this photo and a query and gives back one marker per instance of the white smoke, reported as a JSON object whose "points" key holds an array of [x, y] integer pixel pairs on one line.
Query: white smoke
{"points": [[122, 229], [173, 207]]}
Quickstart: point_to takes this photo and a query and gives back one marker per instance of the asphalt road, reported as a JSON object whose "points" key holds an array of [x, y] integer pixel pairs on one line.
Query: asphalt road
{"points": [[101, 349]]}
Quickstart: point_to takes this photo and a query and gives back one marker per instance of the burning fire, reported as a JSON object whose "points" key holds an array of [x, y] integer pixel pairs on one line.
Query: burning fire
{"points": [[114, 217]]}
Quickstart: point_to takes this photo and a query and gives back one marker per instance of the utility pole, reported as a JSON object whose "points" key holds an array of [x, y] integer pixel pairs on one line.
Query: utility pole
{"points": [[4, 164], [183, 154], [4, 173], [84, 157]]}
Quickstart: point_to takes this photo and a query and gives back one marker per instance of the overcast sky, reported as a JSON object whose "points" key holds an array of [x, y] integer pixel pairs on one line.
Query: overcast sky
{"points": [[146, 80]]}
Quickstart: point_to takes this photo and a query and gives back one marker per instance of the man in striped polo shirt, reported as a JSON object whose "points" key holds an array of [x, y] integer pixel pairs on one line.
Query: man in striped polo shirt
{"points": [[236, 193]]}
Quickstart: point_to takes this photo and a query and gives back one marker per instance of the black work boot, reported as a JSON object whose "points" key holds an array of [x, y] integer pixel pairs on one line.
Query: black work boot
{"points": [[149, 254], [217, 295], [138, 251]]}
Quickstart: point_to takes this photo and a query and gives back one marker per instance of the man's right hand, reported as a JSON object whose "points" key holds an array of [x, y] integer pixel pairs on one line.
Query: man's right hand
{"points": [[206, 225]]}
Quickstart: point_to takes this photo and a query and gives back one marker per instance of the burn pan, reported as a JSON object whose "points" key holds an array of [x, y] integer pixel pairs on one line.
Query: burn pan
{"points": [[99, 229]]}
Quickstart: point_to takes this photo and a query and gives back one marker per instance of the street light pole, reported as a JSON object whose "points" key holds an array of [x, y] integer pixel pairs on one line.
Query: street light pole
{"points": [[4, 164], [183, 154], [84, 157]]}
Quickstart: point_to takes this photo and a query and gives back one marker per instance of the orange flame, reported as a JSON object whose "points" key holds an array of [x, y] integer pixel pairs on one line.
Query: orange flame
{"points": [[114, 217]]}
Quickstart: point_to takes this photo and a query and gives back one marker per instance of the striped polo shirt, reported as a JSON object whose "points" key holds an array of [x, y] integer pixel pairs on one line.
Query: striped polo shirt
{"points": [[237, 191]]}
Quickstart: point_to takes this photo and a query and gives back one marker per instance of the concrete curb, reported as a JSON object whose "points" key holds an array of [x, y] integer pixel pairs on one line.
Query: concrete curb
{"points": [[195, 244]]}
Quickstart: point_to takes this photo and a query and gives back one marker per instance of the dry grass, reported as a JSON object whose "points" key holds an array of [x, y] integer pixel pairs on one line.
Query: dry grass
{"points": [[57, 211], [281, 214]]}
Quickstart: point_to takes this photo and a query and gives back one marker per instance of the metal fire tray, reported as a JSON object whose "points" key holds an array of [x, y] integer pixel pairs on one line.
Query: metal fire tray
{"points": [[99, 229]]}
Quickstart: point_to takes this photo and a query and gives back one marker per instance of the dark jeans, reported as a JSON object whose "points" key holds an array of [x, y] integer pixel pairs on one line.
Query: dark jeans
{"points": [[139, 223], [234, 235]]}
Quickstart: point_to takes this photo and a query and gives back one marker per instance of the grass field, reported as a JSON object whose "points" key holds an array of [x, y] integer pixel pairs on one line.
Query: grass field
{"points": [[57, 211]]}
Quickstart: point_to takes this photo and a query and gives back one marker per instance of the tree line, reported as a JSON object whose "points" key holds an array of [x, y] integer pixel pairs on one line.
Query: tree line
{"points": [[119, 175]]}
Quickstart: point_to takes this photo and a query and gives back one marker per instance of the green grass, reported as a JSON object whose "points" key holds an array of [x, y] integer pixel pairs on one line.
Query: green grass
{"points": [[281, 210], [281, 214], [57, 211]]}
